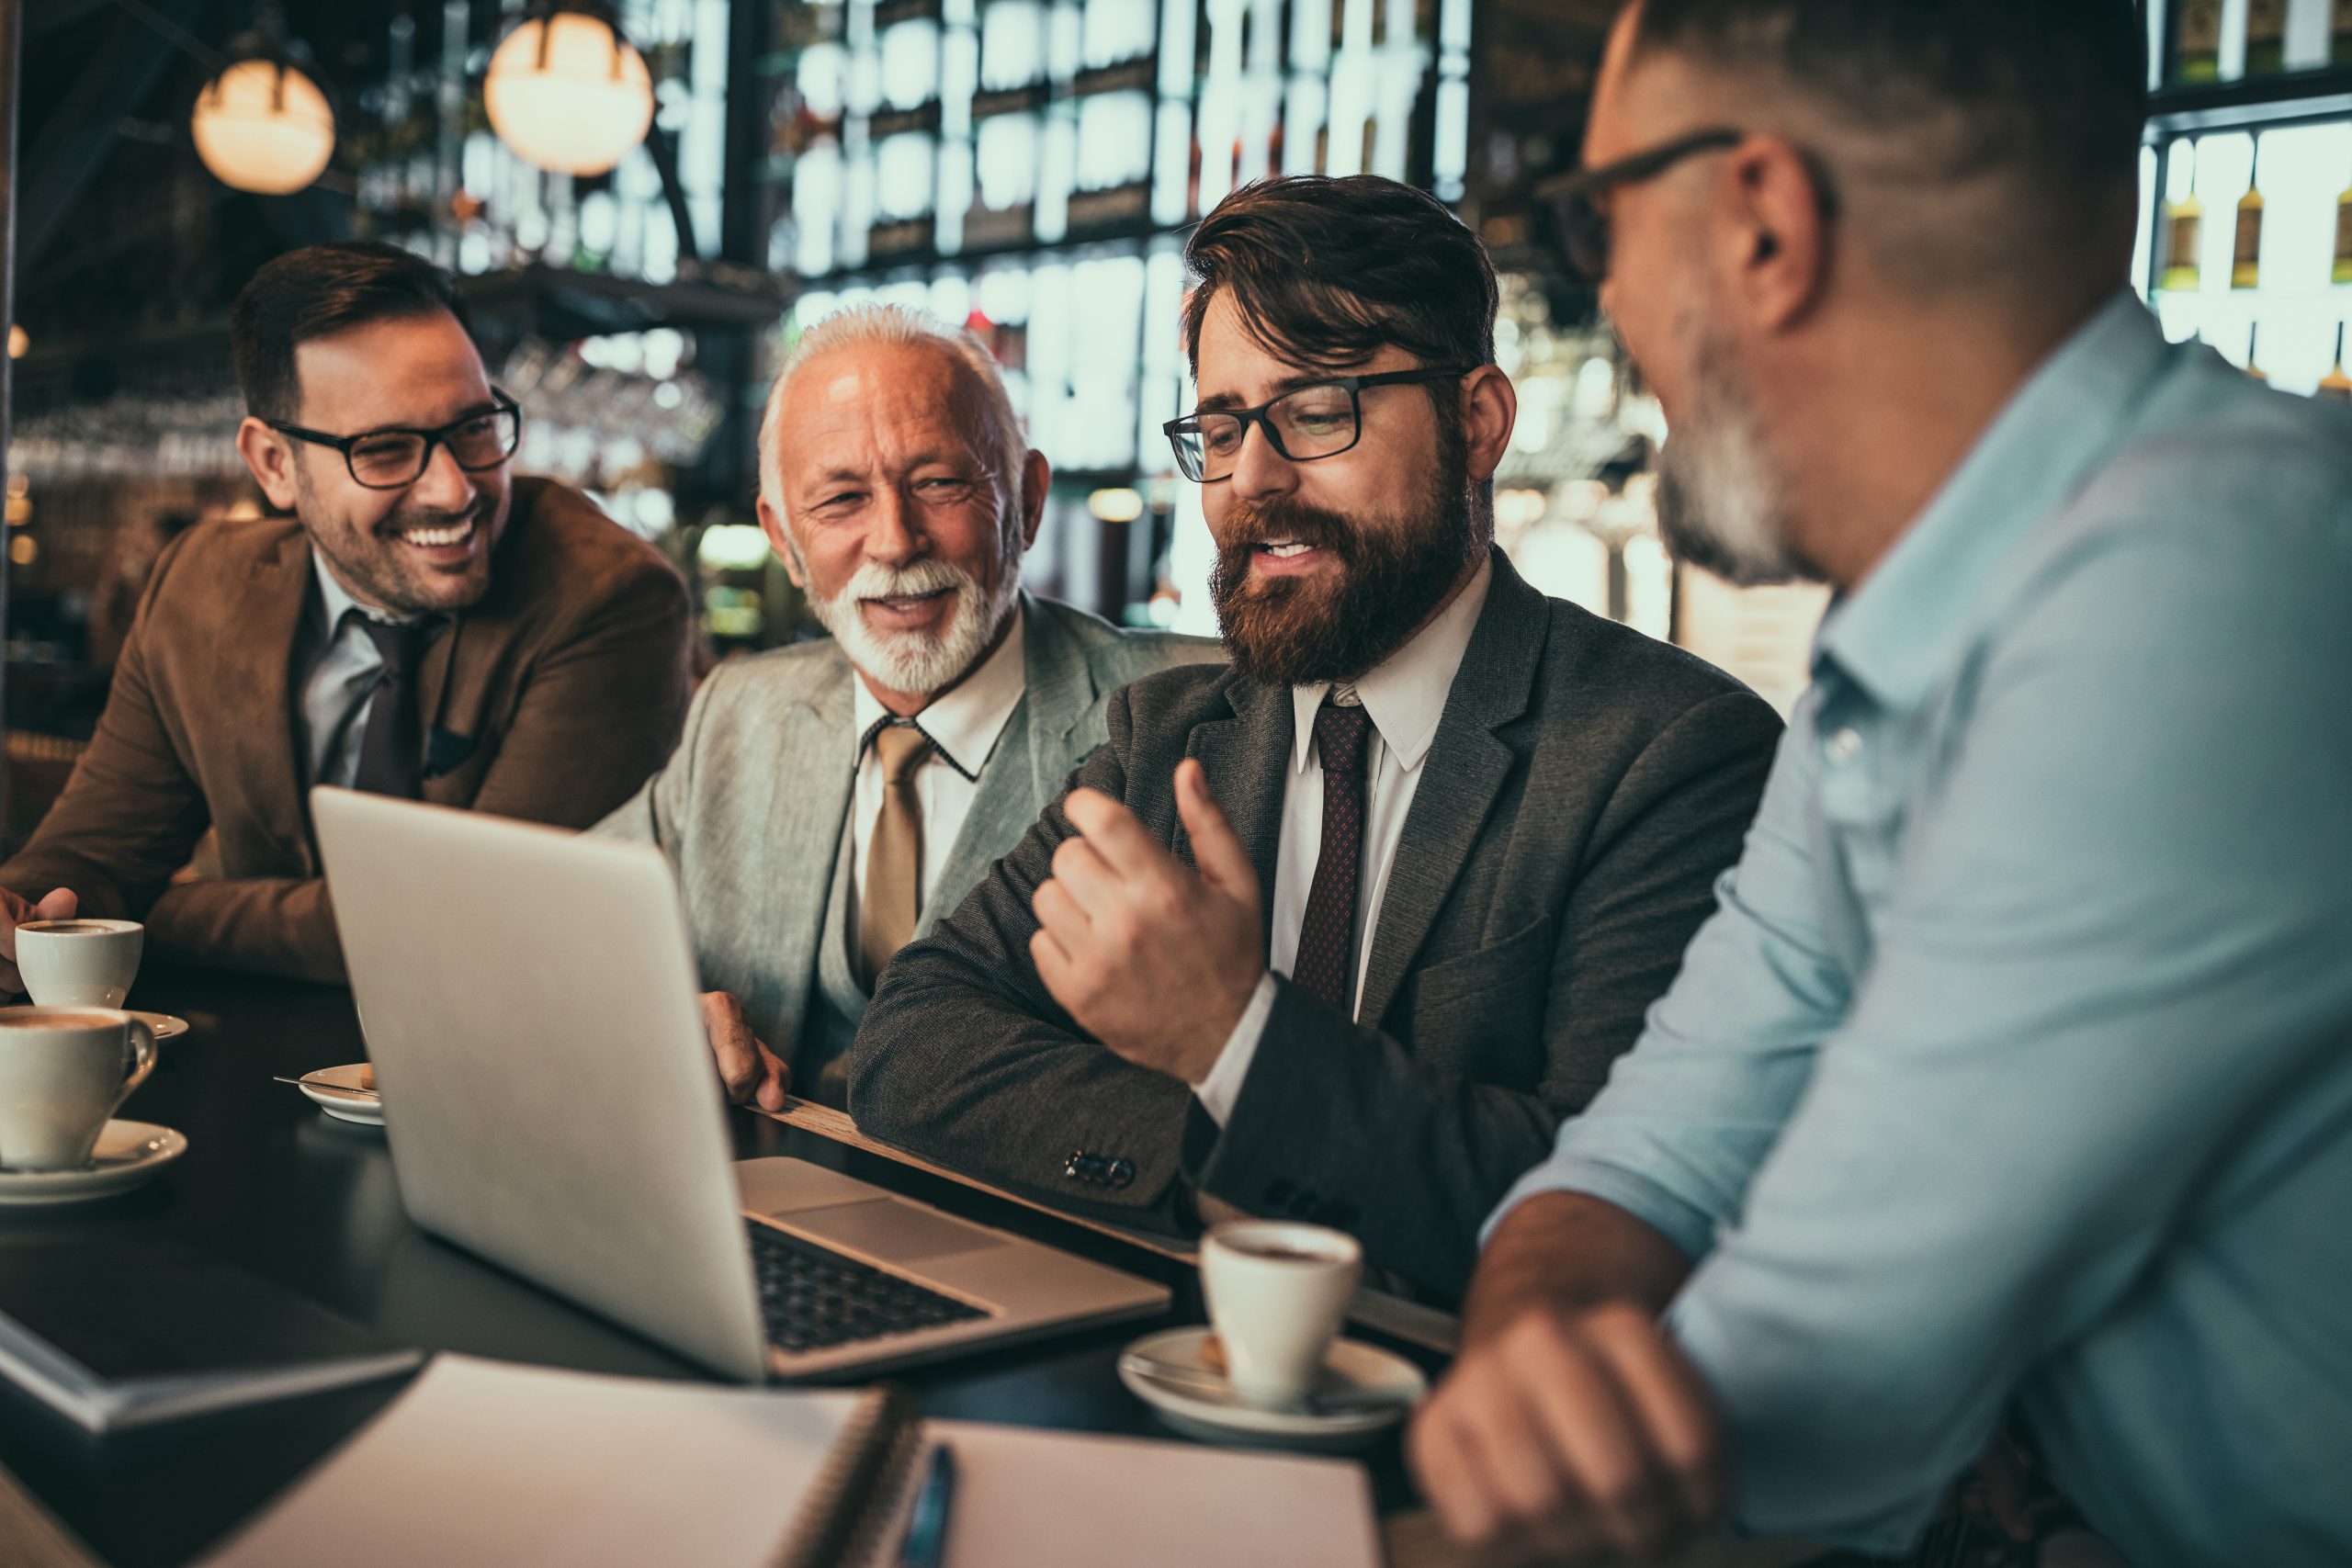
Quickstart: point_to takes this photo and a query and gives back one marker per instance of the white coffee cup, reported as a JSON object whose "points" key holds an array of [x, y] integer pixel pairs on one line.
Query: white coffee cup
{"points": [[1278, 1291], [71, 963], [63, 1072]]}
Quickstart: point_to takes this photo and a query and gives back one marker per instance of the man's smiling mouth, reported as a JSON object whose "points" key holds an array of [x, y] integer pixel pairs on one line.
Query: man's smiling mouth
{"points": [[441, 537]]}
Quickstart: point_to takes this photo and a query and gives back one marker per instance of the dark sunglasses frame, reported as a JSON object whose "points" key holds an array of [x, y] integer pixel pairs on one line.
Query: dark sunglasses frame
{"points": [[1576, 198], [499, 403], [1352, 385]]}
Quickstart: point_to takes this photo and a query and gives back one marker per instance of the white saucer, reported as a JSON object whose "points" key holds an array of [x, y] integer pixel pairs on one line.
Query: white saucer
{"points": [[336, 1091], [165, 1026], [129, 1153], [1217, 1416]]}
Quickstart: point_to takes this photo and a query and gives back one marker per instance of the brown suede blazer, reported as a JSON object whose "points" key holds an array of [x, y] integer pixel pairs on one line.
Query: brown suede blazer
{"points": [[556, 696]]}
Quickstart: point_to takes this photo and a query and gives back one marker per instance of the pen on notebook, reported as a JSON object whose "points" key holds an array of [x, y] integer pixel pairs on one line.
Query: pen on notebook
{"points": [[925, 1545]]}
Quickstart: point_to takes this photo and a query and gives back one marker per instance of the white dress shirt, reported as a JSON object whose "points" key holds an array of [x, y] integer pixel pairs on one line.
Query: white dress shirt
{"points": [[1405, 696], [341, 686], [964, 726]]}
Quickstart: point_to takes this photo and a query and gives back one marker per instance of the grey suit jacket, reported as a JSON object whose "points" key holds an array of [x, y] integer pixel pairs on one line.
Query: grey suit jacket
{"points": [[1587, 786], [751, 807]]}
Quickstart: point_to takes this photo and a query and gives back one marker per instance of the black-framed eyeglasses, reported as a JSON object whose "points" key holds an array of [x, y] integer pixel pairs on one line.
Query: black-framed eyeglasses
{"points": [[1322, 418], [396, 458], [1578, 199]]}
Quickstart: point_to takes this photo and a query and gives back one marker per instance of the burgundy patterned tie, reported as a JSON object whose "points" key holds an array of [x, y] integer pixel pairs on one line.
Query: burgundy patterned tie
{"points": [[1326, 948]]}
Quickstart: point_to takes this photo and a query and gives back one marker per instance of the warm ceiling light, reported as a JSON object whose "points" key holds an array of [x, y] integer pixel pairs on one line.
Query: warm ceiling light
{"points": [[263, 126], [569, 93]]}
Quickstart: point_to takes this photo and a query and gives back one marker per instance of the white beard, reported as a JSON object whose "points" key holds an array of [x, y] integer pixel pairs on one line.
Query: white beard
{"points": [[918, 663], [1721, 502]]}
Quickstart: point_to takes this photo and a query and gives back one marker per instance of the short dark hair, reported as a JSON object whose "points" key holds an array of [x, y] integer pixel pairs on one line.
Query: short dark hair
{"points": [[1326, 271], [315, 292], [2054, 90]]}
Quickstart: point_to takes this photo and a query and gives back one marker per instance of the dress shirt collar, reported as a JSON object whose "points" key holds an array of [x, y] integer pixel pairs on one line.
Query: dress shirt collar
{"points": [[967, 722], [1405, 694], [336, 599], [1912, 617]]}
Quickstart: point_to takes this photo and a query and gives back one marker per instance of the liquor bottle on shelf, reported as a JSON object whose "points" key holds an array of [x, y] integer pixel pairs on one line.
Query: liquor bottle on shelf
{"points": [[2265, 37], [2197, 41], [2245, 268], [2184, 232], [2337, 386], [2340, 50], [2343, 273]]}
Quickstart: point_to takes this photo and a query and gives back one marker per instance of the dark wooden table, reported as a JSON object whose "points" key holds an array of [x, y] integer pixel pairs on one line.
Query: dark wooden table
{"points": [[275, 1186]]}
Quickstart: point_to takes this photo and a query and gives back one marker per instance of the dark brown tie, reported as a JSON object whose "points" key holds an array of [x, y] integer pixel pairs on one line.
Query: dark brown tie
{"points": [[1326, 948], [392, 749]]}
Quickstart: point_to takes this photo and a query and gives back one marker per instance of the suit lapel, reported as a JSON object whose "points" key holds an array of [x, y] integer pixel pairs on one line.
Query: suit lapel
{"points": [[1248, 761], [1466, 767], [258, 665], [1031, 762], [443, 678], [807, 805], [445, 750]]}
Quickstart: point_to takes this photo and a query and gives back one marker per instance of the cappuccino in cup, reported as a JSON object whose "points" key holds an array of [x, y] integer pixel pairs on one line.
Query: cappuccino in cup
{"points": [[63, 1073], [79, 963]]}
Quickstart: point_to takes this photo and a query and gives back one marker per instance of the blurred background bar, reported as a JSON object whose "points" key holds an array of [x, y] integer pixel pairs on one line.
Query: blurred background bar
{"points": [[643, 237]]}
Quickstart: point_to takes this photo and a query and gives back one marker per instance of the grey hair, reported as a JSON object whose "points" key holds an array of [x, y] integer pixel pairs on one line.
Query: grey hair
{"points": [[1005, 448]]}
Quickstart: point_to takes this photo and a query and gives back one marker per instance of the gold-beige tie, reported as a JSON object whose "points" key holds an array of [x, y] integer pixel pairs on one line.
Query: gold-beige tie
{"points": [[885, 918]]}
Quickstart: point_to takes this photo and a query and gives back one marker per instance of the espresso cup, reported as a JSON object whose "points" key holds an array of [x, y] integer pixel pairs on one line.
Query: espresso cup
{"points": [[74, 963], [1278, 1291], [63, 1072]]}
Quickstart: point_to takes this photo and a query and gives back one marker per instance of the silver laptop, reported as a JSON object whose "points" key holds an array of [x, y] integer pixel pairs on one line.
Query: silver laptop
{"points": [[529, 998]]}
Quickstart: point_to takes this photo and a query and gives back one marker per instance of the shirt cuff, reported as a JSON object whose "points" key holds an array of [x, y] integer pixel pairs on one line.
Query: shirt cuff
{"points": [[1221, 1091]]}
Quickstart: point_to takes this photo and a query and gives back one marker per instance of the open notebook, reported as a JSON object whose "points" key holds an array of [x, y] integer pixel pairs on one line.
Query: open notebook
{"points": [[484, 1462]]}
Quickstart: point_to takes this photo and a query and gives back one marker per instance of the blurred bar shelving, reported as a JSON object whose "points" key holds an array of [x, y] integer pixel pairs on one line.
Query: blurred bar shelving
{"points": [[2245, 232]]}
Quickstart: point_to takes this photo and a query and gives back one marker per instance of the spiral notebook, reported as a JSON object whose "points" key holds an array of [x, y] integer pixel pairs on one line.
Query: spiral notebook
{"points": [[484, 1462]]}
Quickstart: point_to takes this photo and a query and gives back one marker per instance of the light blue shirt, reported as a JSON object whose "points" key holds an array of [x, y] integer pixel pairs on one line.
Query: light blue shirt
{"points": [[2015, 1068]]}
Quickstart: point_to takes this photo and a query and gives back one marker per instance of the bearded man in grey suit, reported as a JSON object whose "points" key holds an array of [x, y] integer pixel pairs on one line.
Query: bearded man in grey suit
{"points": [[830, 801], [1489, 822]]}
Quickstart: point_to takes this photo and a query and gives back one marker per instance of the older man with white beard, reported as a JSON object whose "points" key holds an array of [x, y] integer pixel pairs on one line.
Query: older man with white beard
{"points": [[830, 801]]}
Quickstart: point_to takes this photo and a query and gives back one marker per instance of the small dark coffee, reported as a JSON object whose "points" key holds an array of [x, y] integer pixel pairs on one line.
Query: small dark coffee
{"points": [[1274, 1252], [25, 1018], [74, 927]]}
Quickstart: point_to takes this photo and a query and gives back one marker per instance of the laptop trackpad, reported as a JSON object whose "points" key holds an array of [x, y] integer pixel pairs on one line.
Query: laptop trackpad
{"points": [[890, 1232]]}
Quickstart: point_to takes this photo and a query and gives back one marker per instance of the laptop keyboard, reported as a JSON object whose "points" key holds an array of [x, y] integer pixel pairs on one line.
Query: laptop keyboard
{"points": [[812, 1298]]}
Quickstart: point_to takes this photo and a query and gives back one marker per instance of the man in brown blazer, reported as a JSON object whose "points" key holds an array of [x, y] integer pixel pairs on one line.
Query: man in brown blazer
{"points": [[424, 625]]}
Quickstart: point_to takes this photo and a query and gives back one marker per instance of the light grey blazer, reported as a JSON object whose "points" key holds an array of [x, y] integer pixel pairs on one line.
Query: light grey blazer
{"points": [[751, 806]]}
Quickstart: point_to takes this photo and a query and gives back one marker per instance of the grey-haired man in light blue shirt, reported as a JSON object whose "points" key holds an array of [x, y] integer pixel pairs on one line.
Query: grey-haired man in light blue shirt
{"points": [[2013, 1077]]}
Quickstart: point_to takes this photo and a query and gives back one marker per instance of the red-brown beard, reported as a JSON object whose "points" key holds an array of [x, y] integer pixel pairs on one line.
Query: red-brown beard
{"points": [[1391, 572]]}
